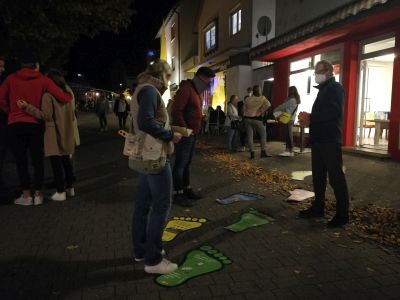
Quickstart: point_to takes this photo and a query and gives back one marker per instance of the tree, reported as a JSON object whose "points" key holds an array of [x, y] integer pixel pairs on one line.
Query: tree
{"points": [[52, 26]]}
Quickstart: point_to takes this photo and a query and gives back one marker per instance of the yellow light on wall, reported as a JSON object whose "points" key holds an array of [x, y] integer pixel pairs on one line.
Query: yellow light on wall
{"points": [[218, 95]]}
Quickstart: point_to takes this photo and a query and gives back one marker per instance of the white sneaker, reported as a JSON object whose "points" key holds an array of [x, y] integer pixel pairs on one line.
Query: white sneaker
{"points": [[70, 192], [59, 196], [286, 154], [38, 200], [139, 259], [23, 201], [164, 267]]}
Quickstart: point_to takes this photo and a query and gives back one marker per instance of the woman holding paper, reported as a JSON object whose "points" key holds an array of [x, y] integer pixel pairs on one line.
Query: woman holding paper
{"points": [[153, 200], [289, 106]]}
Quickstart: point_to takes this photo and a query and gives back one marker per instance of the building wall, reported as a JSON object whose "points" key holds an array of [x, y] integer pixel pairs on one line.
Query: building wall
{"points": [[220, 12], [238, 79], [292, 13], [188, 11], [172, 47], [262, 8]]}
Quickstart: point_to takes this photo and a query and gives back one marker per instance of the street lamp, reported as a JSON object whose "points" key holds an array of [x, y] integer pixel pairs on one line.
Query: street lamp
{"points": [[79, 75], [120, 84]]}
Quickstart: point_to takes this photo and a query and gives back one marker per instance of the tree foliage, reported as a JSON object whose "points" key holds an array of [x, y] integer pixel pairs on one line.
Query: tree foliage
{"points": [[52, 26]]}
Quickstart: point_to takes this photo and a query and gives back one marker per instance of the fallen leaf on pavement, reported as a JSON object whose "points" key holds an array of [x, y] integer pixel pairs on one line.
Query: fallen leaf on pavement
{"points": [[72, 247]]}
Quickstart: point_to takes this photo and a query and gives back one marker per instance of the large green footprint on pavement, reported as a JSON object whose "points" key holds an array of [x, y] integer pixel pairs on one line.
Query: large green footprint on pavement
{"points": [[198, 262], [249, 219]]}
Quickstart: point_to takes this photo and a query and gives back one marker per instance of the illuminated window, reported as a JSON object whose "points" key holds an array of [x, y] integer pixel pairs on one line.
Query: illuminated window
{"points": [[236, 22], [210, 38], [379, 45]]}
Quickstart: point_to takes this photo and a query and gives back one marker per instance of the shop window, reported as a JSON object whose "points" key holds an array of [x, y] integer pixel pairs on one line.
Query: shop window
{"points": [[301, 64], [379, 45], [301, 76], [210, 37], [236, 22]]}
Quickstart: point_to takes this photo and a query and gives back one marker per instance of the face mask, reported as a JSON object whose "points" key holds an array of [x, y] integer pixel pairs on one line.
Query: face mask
{"points": [[320, 78], [200, 85]]}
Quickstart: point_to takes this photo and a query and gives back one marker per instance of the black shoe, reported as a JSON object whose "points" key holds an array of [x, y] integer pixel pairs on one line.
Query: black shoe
{"points": [[189, 193], [182, 200], [264, 154], [311, 213], [338, 221]]}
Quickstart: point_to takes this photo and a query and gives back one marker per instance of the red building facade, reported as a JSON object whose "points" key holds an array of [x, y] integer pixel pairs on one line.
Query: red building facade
{"points": [[362, 40]]}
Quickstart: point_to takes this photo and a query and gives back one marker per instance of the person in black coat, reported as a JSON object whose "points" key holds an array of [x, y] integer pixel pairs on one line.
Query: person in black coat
{"points": [[121, 108], [325, 123]]}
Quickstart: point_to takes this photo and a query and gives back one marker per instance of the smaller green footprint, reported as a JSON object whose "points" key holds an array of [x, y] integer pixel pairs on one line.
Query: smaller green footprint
{"points": [[198, 262], [249, 219]]}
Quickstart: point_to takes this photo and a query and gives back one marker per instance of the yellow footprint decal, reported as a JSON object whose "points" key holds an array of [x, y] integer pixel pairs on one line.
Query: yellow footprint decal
{"points": [[180, 224]]}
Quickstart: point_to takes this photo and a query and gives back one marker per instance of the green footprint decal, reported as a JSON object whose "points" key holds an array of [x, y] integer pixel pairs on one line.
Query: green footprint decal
{"points": [[249, 219], [198, 262]]}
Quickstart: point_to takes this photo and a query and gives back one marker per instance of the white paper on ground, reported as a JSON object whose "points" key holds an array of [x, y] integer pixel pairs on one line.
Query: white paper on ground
{"points": [[299, 195], [300, 175]]}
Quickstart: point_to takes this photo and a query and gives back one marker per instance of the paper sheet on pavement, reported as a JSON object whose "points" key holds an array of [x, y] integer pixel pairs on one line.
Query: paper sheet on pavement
{"points": [[300, 175], [299, 195]]}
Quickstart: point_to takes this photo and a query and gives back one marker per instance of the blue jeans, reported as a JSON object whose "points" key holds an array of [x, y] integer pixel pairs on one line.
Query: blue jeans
{"points": [[183, 157], [232, 133], [151, 211]]}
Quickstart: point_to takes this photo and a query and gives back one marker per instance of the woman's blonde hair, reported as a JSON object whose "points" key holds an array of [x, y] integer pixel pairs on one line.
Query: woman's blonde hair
{"points": [[159, 69]]}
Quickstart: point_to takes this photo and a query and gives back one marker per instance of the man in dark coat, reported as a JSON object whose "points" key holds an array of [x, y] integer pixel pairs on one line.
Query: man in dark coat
{"points": [[325, 123]]}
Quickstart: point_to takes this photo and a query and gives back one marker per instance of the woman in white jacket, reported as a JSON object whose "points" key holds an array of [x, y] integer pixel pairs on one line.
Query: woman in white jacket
{"points": [[289, 106], [231, 122]]}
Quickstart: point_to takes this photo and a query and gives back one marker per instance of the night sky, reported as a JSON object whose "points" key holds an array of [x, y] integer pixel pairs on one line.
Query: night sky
{"points": [[93, 57]]}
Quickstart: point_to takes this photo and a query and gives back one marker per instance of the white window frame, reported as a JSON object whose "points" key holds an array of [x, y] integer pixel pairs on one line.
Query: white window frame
{"points": [[208, 37], [236, 15]]}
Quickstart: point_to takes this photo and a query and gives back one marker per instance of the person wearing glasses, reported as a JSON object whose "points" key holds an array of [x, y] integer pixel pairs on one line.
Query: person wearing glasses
{"points": [[325, 122]]}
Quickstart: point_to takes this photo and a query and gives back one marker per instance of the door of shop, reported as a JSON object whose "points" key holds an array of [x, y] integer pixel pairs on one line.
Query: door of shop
{"points": [[375, 94]]}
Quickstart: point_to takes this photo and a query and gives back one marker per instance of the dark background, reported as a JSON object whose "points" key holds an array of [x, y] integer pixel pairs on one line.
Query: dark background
{"points": [[103, 60]]}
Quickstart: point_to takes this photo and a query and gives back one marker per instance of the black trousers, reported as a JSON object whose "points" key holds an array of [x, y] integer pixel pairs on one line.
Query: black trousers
{"points": [[61, 165], [103, 120], [122, 119], [327, 160], [24, 138]]}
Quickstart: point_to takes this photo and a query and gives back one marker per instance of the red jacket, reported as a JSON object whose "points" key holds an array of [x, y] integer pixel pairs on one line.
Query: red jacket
{"points": [[28, 85], [186, 108]]}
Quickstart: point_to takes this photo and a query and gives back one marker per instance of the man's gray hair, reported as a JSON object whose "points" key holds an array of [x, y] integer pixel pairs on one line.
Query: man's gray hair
{"points": [[327, 65]]}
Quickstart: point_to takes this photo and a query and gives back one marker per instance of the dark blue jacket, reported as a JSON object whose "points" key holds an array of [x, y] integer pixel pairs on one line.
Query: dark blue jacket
{"points": [[327, 113], [149, 101]]}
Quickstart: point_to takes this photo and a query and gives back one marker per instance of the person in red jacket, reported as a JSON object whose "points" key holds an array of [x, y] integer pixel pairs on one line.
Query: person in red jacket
{"points": [[25, 132], [186, 111]]}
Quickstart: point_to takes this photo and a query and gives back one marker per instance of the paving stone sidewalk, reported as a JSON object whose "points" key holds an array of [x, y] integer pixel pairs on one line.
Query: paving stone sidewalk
{"points": [[81, 248]]}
